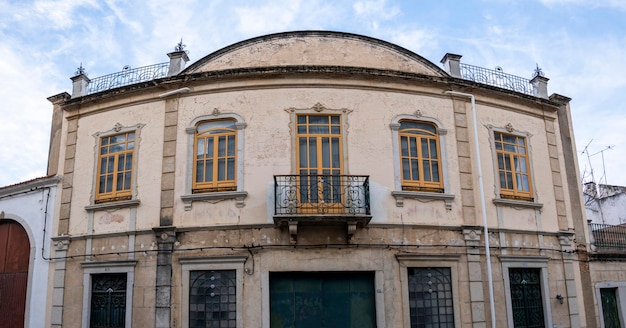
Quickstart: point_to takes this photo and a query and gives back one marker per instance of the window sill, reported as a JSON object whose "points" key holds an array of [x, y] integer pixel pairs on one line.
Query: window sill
{"points": [[215, 197], [422, 196], [113, 205], [517, 203]]}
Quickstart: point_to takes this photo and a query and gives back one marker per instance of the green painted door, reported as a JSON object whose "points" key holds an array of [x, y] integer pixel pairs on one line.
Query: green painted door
{"points": [[322, 299], [610, 311], [108, 300]]}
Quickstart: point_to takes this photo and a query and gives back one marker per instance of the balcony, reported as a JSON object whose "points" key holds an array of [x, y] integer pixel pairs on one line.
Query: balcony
{"points": [[608, 239], [321, 199], [127, 76]]}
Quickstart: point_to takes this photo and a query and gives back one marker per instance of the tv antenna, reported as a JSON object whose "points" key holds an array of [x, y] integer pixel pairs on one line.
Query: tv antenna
{"points": [[601, 152]]}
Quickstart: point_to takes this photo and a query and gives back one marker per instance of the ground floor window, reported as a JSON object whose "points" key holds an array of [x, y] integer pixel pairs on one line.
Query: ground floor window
{"points": [[322, 299], [108, 300], [526, 297], [430, 297], [213, 298]]}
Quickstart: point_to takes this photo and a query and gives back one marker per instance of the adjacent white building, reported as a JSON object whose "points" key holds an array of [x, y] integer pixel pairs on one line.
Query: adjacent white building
{"points": [[26, 225]]}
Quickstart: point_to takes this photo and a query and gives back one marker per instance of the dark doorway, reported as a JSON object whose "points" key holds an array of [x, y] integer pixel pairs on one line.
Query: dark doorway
{"points": [[322, 299], [610, 309]]}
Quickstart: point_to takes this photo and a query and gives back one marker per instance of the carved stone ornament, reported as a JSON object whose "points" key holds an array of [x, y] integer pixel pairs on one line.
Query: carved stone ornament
{"points": [[509, 127], [318, 107], [216, 112], [418, 113], [471, 234], [117, 127], [62, 245]]}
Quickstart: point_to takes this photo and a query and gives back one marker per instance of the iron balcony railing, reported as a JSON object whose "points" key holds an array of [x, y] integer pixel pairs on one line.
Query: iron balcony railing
{"points": [[343, 195], [606, 236], [497, 78], [128, 76]]}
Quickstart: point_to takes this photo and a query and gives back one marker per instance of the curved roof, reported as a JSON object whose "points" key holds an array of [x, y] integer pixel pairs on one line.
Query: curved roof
{"points": [[315, 48]]}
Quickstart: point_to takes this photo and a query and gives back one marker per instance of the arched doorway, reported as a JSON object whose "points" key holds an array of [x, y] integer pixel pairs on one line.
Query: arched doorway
{"points": [[14, 255]]}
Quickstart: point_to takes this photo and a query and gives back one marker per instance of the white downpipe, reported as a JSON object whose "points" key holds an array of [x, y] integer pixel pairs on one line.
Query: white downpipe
{"points": [[482, 203]]}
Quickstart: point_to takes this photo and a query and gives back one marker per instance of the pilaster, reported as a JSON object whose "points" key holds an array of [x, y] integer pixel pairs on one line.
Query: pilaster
{"points": [[472, 234], [165, 237], [465, 162], [58, 282]]}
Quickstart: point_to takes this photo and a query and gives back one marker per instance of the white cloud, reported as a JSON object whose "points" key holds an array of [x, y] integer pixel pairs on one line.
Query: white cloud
{"points": [[377, 9], [271, 17], [373, 12], [61, 12], [25, 116], [417, 40]]}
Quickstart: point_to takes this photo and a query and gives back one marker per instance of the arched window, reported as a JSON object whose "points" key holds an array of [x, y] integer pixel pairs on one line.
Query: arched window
{"points": [[215, 160], [420, 157]]}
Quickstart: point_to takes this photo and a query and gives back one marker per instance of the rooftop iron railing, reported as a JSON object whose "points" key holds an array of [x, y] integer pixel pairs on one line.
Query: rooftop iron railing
{"points": [[606, 236], [128, 76], [497, 78], [343, 195]]}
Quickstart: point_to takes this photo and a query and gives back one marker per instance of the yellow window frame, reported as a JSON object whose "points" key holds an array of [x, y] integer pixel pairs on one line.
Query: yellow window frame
{"points": [[328, 174], [413, 172], [212, 157], [513, 166], [115, 167]]}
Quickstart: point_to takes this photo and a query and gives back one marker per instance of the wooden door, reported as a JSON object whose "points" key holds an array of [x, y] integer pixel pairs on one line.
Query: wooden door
{"points": [[14, 256]]}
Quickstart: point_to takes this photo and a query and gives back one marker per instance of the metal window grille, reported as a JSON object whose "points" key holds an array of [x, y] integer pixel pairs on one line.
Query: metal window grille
{"points": [[430, 298], [213, 299], [526, 297], [108, 300]]}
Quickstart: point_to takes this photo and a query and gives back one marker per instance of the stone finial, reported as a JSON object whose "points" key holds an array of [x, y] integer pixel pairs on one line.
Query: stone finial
{"points": [[80, 81], [178, 59], [452, 64]]}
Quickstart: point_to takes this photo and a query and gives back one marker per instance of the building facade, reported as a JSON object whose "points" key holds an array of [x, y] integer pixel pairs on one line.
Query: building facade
{"points": [[605, 206], [26, 221], [316, 179]]}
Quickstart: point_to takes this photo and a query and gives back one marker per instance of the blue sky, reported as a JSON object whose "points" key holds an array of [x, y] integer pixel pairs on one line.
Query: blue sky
{"points": [[579, 44]]}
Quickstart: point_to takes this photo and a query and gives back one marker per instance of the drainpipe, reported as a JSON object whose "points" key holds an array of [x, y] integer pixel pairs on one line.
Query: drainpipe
{"points": [[482, 202]]}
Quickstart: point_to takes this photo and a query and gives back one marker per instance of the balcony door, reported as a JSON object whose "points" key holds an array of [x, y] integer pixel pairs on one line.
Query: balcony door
{"points": [[319, 163]]}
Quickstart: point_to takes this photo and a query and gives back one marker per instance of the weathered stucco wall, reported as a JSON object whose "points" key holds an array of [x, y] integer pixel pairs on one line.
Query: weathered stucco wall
{"points": [[315, 50], [147, 158]]}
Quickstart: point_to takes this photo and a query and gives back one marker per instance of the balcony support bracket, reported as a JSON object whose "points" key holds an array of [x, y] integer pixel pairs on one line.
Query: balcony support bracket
{"points": [[293, 232], [351, 229]]}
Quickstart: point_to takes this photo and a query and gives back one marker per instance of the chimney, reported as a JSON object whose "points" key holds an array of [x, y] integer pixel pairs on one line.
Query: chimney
{"points": [[178, 59], [452, 64], [80, 81], [540, 84]]}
